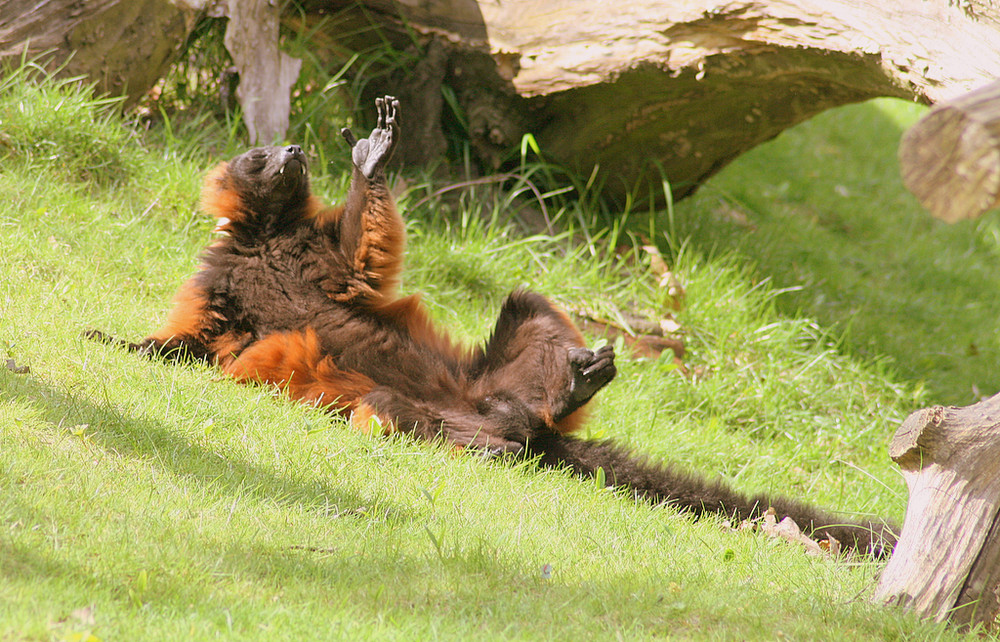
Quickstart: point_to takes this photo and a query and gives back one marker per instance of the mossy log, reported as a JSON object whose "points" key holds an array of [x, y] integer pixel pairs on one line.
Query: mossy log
{"points": [[947, 561]]}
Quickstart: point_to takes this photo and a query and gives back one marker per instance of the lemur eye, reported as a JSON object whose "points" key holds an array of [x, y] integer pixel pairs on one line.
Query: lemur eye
{"points": [[253, 162]]}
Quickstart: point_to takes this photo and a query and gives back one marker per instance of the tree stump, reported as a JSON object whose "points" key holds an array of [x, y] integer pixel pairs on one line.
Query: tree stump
{"points": [[950, 159], [947, 562]]}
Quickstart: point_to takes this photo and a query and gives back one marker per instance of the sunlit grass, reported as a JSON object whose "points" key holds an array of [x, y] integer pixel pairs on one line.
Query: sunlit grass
{"points": [[821, 212], [144, 500]]}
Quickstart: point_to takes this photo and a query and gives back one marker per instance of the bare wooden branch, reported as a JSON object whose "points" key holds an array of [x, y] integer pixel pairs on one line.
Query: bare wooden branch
{"points": [[266, 73], [950, 159], [947, 562]]}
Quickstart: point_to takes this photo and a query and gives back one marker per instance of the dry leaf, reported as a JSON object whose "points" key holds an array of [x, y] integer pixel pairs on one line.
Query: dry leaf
{"points": [[672, 283], [16, 369], [656, 260], [85, 616], [830, 545], [669, 325], [788, 530]]}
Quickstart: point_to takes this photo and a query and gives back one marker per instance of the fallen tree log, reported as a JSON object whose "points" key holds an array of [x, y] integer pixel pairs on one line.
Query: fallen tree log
{"points": [[950, 159], [649, 85], [124, 46], [684, 86], [946, 564]]}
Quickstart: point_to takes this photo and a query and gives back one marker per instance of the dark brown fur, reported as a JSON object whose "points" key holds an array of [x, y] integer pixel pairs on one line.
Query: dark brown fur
{"points": [[303, 297]]}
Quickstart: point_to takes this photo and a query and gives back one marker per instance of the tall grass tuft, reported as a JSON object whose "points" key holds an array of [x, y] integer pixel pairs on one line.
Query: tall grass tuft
{"points": [[63, 126]]}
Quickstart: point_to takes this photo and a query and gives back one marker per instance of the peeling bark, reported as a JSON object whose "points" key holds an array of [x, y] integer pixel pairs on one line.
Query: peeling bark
{"points": [[633, 88], [266, 73]]}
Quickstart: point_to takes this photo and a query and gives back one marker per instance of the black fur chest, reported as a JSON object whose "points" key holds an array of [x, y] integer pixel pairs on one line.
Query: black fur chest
{"points": [[263, 287]]}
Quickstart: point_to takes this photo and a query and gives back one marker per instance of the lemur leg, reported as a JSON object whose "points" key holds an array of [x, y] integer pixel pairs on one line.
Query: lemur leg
{"points": [[371, 232], [295, 362], [537, 355], [492, 426]]}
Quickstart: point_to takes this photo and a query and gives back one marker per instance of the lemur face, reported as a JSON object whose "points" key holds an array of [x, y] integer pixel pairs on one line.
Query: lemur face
{"points": [[270, 176]]}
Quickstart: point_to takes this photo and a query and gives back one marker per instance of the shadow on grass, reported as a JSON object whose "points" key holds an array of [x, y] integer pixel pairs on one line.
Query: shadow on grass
{"points": [[156, 444], [468, 584], [822, 210], [338, 590]]}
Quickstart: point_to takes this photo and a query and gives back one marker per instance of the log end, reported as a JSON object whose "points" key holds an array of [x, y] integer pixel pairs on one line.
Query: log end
{"points": [[909, 445], [950, 160]]}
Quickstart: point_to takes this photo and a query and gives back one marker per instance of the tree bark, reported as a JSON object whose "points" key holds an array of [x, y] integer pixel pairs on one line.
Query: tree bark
{"points": [[685, 86], [125, 46], [947, 561], [950, 159], [266, 73], [638, 88]]}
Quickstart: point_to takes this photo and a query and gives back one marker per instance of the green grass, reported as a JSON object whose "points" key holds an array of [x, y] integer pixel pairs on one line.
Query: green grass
{"points": [[821, 212], [143, 500]]}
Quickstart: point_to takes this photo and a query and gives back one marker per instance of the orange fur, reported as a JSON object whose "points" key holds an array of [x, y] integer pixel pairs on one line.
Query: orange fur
{"points": [[365, 417], [219, 197], [188, 316], [294, 361], [374, 242], [227, 346], [379, 255], [575, 420], [322, 216]]}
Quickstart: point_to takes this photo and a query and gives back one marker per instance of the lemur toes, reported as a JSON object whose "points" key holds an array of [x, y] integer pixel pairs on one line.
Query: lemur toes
{"points": [[592, 370]]}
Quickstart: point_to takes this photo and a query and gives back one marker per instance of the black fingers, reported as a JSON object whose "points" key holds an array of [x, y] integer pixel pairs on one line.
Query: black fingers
{"points": [[594, 367], [388, 112], [602, 359], [591, 370]]}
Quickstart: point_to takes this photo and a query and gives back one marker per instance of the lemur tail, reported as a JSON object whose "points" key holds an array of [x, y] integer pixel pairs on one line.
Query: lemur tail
{"points": [[663, 483]]}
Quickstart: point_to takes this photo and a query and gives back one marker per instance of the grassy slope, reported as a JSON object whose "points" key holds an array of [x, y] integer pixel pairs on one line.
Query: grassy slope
{"points": [[140, 500], [823, 210]]}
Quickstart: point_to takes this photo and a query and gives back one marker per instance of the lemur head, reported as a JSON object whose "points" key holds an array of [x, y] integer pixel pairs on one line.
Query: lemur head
{"points": [[266, 175], [265, 185]]}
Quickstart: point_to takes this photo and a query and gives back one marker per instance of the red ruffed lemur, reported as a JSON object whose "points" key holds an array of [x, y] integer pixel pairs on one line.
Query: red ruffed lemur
{"points": [[303, 296]]}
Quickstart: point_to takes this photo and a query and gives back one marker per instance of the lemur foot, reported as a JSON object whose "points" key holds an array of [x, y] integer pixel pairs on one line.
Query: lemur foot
{"points": [[592, 370]]}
